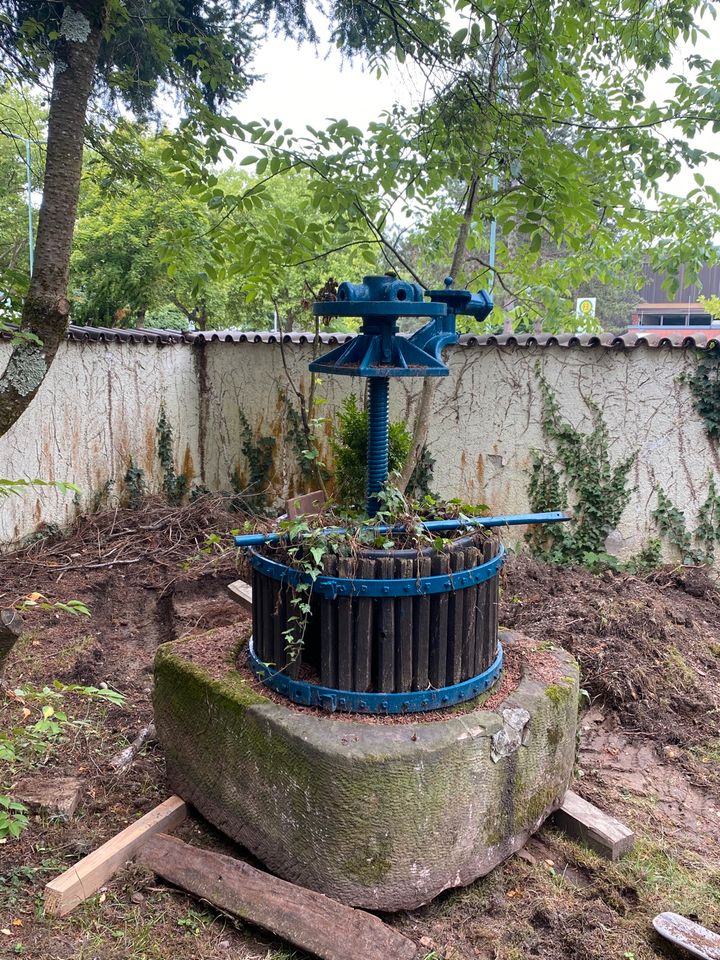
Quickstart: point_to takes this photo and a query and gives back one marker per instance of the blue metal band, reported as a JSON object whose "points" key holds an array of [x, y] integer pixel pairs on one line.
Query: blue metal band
{"points": [[332, 587], [350, 701]]}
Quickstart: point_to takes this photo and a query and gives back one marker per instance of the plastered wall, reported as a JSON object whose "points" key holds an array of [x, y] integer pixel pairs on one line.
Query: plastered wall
{"points": [[100, 404]]}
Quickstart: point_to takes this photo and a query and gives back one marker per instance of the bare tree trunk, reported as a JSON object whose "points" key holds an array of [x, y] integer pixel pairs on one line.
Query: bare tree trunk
{"points": [[422, 416], [46, 309]]}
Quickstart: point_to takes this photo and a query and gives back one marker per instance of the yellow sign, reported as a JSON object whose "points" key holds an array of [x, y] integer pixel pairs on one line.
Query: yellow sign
{"points": [[585, 307]]}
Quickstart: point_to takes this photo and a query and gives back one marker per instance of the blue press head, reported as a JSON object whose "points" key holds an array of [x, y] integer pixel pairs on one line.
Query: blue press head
{"points": [[462, 302], [380, 288], [378, 351]]}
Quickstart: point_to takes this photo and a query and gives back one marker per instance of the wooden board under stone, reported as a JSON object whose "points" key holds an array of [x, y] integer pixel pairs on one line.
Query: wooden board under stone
{"points": [[586, 822], [308, 920]]}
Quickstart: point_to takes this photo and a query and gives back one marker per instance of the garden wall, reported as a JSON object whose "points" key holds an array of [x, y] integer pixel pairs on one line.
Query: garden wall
{"points": [[102, 400]]}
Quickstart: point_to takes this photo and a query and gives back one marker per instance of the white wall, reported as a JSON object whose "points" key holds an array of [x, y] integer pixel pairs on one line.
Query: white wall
{"points": [[97, 408], [100, 403]]}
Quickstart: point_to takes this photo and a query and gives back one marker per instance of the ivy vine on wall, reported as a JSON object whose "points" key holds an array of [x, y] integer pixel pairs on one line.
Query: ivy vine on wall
{"points": [[698, 545], [578, 473], [704, 384], [259, 453], [175, 485]]}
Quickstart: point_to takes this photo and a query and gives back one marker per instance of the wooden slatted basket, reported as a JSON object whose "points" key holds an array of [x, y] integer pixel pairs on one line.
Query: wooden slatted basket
{"points": [[386, 645]]}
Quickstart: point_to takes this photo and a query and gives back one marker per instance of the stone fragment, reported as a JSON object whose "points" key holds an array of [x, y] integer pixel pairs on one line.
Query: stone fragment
{"points": [[513, 734]]}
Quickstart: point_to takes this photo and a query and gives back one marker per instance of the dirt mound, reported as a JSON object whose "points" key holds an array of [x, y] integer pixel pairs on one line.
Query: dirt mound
{"points": [[648, 647]]}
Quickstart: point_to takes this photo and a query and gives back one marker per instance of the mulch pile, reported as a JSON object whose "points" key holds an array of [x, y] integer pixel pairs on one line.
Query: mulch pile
{"points": [[648, 647]]}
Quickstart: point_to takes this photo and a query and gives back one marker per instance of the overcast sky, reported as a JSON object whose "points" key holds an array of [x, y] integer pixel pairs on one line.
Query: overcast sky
{"points": [[304, 87]]}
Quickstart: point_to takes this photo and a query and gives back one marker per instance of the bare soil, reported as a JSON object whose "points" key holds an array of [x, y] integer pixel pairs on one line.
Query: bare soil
{"points": [[649, 648]]}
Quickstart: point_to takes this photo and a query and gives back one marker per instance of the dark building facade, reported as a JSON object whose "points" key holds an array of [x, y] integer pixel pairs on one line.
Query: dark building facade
{"points": [[685, 309]]}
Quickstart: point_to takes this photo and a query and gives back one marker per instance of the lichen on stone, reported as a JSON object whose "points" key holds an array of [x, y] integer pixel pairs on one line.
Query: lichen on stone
{"points": [[25, 371], [513, 734], [74, 26]]}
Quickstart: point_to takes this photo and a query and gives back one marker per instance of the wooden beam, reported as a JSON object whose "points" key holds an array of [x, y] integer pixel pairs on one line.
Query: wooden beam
{"points": [[87, 876], [586, 822], [308, 920], [241, 592]]}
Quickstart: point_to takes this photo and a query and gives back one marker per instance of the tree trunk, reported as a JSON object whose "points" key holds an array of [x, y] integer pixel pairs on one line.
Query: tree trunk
{"points": [[11, 625], [46, 309], [422, 417]]}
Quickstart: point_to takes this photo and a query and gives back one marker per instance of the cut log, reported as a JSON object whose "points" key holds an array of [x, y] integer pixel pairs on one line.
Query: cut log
{"points": [[56, 796], [11, 626], [308, 920], [87, 876], [241, 592], [586, 822]]}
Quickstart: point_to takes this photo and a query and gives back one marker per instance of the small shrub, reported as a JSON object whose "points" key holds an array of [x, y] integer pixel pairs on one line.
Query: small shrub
{"points": [[349, 445]]}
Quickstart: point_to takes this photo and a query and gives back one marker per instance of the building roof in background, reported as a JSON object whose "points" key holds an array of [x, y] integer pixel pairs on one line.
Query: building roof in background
{"points": [[653, 292]]}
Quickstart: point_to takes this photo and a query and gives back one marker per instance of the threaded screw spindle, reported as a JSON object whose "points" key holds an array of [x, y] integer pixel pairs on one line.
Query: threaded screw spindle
{"points": [[378, 440]]}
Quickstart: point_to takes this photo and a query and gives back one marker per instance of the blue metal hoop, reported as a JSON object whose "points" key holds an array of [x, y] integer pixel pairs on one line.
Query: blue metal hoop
{"points": [[332, 587], [350, 701]]}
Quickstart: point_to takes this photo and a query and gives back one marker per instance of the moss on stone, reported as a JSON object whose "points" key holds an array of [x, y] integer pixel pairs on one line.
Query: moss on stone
{"points": [[554, 737], [559, 693], [372, 865]]}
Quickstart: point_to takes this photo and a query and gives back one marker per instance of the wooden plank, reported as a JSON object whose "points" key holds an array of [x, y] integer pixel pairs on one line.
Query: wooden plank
{"points": [[363, 633], [87, 876], [277, 614], [385, 633], [308, 504], [456, 612], [328, 631], [257, 643], [308, 920], [439, 604], [696, 939], [345, 638], [54, 795], [242, 593], [421, 632], [404, 631], [468, 648], [586, 822], [494, 592], [483, 614]]}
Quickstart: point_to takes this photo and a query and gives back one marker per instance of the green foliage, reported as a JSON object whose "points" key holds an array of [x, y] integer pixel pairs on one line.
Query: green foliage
{"points": [[37, 601], [146, 250], [349, 445], [258, 451], [13, 818], [421, 478], [578, 473], [704, 383], [175, 485], [46, 711], [697, 546], [19, 487], [20, 116], [135, 486]]}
